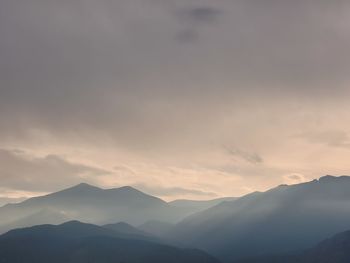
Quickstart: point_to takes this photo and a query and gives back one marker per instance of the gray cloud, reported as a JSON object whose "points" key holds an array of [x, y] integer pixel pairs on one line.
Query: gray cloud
{"points": [[200, 14], [20, 171], [6, 200], [192, 21], [253, 158], [71, 68], [294, 178], [117, 75]]}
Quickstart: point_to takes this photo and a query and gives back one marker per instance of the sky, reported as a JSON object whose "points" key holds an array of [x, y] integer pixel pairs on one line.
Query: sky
{"points": [[193, 99]]}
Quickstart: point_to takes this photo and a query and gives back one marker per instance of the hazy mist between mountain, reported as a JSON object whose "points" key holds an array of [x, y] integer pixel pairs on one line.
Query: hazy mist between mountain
{"points": [[90, 204], [76, 242], [288, 223], [284, 220]]}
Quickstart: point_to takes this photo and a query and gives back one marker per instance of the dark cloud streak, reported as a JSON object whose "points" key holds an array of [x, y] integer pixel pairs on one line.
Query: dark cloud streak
{"points": [[253, 158]]}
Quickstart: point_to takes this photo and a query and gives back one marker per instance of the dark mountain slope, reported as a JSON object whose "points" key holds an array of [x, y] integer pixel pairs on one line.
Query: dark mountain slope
{"points": [[128, 231], [75, 242], [332, 250], [283, 219], [125, 228], [157, 228]]}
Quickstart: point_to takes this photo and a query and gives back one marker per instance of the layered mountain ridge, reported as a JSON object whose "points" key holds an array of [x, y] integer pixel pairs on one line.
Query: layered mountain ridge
{"points": [[92, 204], [75, 242], [283, 219], [271, 225]]}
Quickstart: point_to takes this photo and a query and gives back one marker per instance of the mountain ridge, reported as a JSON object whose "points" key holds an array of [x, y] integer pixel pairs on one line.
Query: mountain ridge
{"points": [[86, 202], [76, 242], [276, 221]]}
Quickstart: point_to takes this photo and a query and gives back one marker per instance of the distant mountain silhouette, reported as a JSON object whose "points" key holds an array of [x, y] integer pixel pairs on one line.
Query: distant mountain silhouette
{"points": [[199, 205], [335, 249], [124, 229], [332, 250], [189, 207], [43, 216], [283, 219], [89, 203], [76, 242], [157, 228]]}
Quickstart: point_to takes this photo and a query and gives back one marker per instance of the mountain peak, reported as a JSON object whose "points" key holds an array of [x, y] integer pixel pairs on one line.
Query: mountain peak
{"points": [[83, 187], [128, 188], [332, 178], [89, 187], [72, 223]]}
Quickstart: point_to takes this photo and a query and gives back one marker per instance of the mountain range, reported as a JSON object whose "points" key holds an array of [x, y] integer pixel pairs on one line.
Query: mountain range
{"points": [[288, 223], [94, 205], [199, 205], [76, 242], [282, 220]]}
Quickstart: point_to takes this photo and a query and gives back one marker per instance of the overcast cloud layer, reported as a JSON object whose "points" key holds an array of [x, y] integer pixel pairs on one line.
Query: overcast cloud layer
{"points": [[180, 98]]}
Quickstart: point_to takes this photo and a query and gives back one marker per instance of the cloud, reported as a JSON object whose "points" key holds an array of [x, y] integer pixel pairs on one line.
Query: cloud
{"points": [[22, 171], [294, 178], [123, 169], [193, 20], [252, 158], [6, 200], [74, 74], [113, 82], [200, 14], [331, 138]]}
